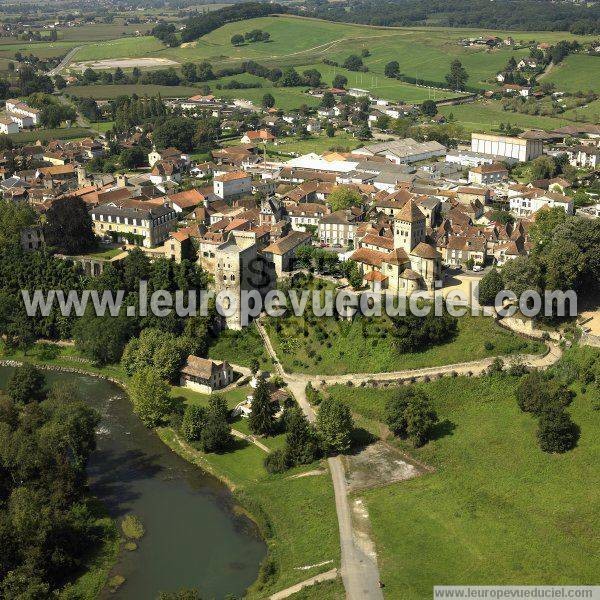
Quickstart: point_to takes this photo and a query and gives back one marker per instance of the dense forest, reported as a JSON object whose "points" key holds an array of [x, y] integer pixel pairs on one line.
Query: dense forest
{"points": [[510, 14], [528, 15]]}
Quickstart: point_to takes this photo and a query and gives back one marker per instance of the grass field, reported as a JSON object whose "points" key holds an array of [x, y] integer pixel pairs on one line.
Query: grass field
{"points": [[316, 143], [64, 133], [578, 72], [486, 115], [40, 49], [590, 112], [422, 52], [107, 92], [366, 345], [497, 509]]}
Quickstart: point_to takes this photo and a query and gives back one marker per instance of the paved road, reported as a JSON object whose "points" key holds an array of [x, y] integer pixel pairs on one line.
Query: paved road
{"points": [[359, 571], [64, 62]]}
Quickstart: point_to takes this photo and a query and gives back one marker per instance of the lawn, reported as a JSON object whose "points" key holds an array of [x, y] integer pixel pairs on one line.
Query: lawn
{"points": [[497, 509], [486, 115], [331, 347], [315, 143], [578, 72], [589, 112]]}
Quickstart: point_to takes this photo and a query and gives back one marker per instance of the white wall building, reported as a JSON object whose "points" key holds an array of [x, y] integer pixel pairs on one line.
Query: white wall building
{"points": [[520, 148]]}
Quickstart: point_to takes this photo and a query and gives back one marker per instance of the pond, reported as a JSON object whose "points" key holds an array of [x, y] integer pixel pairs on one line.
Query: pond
{"points": [[194, 538]]}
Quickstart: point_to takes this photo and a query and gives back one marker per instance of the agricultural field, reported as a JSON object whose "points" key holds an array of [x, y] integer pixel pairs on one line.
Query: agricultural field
{"points": [[487, 115], [496, 508], [107, 92], [45, 135], [589, 112], [40, 49], [578, 72], [424, 53]]}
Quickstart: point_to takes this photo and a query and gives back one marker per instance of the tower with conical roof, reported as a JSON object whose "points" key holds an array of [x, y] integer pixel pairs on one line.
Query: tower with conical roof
{"points": [[409, 228]]}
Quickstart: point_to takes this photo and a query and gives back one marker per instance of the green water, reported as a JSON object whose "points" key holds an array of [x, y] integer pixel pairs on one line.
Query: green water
{"points": [[193, 539]]}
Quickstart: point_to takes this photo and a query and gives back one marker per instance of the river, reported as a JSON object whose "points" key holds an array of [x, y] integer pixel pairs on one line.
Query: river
{"points": [[194, 539]]}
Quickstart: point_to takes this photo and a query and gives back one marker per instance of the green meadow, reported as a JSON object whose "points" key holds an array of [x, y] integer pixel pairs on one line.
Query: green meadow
{"points": [[424, 53], [487, 115], [496, 508], [578, 72]]}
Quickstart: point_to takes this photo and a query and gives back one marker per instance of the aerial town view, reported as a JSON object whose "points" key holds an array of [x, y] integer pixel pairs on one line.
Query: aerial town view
{"points": [[299, 299]]}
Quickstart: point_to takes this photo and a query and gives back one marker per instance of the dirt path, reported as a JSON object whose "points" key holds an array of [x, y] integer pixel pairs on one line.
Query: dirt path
{"points": [[251, 439], [327, 576], [359, 569]]}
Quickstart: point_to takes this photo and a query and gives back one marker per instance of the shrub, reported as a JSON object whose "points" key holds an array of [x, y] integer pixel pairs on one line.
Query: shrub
{"points": [[132, 527], [276, 461], [556, 431]]}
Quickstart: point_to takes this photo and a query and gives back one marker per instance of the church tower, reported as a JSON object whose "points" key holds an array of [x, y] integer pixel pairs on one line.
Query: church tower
{"points": [[409, 227]]}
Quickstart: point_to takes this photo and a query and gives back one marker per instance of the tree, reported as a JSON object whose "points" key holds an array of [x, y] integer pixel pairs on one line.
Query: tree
{"points": [[188, 70], [237, 39], [176, 132], [102, 338], [490, 286], [542, 167], [413, 333], [521, 274], [312, 77], [429, 108], [343, 198], [330, 130], [395, 409], [194, 420], [392, 69], [535, 393], [335, 425], [60, 82], [216, 433], [556, 431], [151, 398], [300, 441], [68, 227], [457, 78], [420, 420], [254, 366], [340, 82], [353, 63], [328, 100], [262, 418], [132, 158], [268, 101], [290, 78], [90, 76], [26, 385]]}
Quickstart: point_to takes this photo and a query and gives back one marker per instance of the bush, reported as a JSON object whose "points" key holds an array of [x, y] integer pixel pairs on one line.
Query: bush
{"points": [[132, 527], [194, 419], [276, 461], [556, 431]]}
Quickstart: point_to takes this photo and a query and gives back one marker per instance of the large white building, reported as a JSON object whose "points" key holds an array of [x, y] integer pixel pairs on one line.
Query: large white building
{"points": [[525, 204], [522, 149], [233, 184], [20, 109]]}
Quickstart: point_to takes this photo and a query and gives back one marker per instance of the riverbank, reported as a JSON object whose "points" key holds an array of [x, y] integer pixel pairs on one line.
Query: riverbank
{"points": [[296, 516]]}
